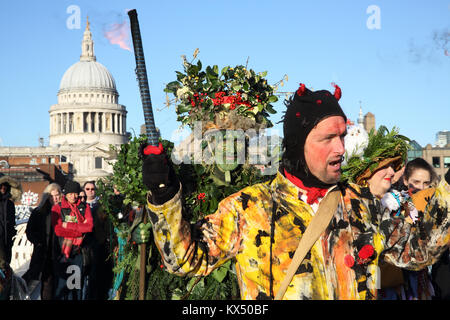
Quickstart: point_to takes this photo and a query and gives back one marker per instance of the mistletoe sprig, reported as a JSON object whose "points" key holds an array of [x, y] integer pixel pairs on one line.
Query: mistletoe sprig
{"points": [[201, 95]]}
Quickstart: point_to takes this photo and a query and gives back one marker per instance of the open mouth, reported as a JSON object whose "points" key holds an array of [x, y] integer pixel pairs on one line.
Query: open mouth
{"points": [[335, 164]]}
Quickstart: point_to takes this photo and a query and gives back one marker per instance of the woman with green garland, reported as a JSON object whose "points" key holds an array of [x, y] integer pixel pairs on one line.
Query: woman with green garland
{"points": [[383, 155], [372, 161]]}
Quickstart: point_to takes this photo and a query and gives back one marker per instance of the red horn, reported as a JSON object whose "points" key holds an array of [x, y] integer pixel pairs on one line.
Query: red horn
{"points": [[301, 90], [337, 91]]}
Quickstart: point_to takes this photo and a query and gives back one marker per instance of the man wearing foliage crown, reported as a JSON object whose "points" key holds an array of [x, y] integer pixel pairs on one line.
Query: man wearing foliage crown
{"points": [[260, 226]]}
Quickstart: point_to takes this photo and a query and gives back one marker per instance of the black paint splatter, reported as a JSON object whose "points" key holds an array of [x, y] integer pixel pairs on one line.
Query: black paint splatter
{"points": [[263, 296], [304, 267], [244, 199], [299, 222], [280, 213], [356, 207], [260, 234]]}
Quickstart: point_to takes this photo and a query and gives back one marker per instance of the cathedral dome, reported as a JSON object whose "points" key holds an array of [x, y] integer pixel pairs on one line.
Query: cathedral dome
{"points": [[87, 75]]}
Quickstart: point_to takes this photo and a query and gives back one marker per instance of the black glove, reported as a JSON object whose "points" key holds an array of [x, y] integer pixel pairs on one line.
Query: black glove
{"points": [[158, 175]]}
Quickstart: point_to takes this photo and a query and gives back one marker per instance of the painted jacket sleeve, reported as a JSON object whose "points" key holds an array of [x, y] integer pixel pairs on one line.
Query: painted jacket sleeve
{"points": [[84, 227], [196, 249], [415, 246]]}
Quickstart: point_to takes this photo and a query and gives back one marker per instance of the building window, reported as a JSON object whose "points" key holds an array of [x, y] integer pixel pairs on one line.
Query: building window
{"points": [[436, 162], [63, 159], [446, 162], [43, 160], [52, 160], [98, 162]]}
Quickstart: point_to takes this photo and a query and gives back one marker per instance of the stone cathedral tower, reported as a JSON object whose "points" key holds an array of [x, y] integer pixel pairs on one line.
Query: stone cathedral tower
{"points": [[88, 116]]}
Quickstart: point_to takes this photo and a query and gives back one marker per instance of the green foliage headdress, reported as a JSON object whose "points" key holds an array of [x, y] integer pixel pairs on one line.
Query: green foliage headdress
{"points": [[384, 148], [235, 98]]}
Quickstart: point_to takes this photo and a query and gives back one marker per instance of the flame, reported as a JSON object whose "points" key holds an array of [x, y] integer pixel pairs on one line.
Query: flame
{"points": [[119, 33]]}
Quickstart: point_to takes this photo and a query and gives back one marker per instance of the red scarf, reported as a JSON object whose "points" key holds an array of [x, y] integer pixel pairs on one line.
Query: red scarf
{"points": [[75, 212], [68, 242], [311, 193]]}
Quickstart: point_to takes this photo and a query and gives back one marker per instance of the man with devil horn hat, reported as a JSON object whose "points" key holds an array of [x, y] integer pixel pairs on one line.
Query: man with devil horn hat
{"points": [[261, 226]]}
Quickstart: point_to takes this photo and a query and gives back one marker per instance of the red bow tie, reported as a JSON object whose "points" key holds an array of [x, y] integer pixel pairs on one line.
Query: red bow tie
{"points": [[311, 193]]}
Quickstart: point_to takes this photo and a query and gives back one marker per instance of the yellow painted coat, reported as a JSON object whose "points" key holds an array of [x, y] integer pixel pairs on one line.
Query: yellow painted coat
{"points": [[261, 225]]}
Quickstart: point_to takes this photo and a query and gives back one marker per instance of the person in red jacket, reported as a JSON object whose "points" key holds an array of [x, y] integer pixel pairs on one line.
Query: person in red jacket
{"points": [[71, 220]]}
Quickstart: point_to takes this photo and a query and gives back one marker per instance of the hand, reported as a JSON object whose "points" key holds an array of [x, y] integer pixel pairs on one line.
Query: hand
{"points": [[64, 224], [155, 167]]}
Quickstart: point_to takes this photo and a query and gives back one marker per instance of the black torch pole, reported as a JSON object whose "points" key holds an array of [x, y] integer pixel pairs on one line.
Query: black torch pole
{"points": [[141, 72], [152, 134]]}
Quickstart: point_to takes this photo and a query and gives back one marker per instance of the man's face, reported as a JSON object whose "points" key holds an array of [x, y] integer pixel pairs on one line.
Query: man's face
{"points": [[3, 189], [89, 190], [324, 148]]}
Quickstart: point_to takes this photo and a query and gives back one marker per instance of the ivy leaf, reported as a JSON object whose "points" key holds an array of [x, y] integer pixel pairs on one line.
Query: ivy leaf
{"points": [[172, 87], [273, 99], [182, 108], [224, 70], [198, 287], [236, 87], [270, 109], [193, 70], [221, 272]]}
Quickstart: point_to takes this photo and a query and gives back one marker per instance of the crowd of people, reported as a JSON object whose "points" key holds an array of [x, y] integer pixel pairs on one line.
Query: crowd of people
{"points": [[70, 235]]}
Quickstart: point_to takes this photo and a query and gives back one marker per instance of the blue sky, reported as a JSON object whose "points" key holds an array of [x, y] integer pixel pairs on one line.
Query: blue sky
{"points": [[400, 72]]}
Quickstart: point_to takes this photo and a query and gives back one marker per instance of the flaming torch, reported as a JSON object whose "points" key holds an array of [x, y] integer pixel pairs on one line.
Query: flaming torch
{"points": [[141, 72]]}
